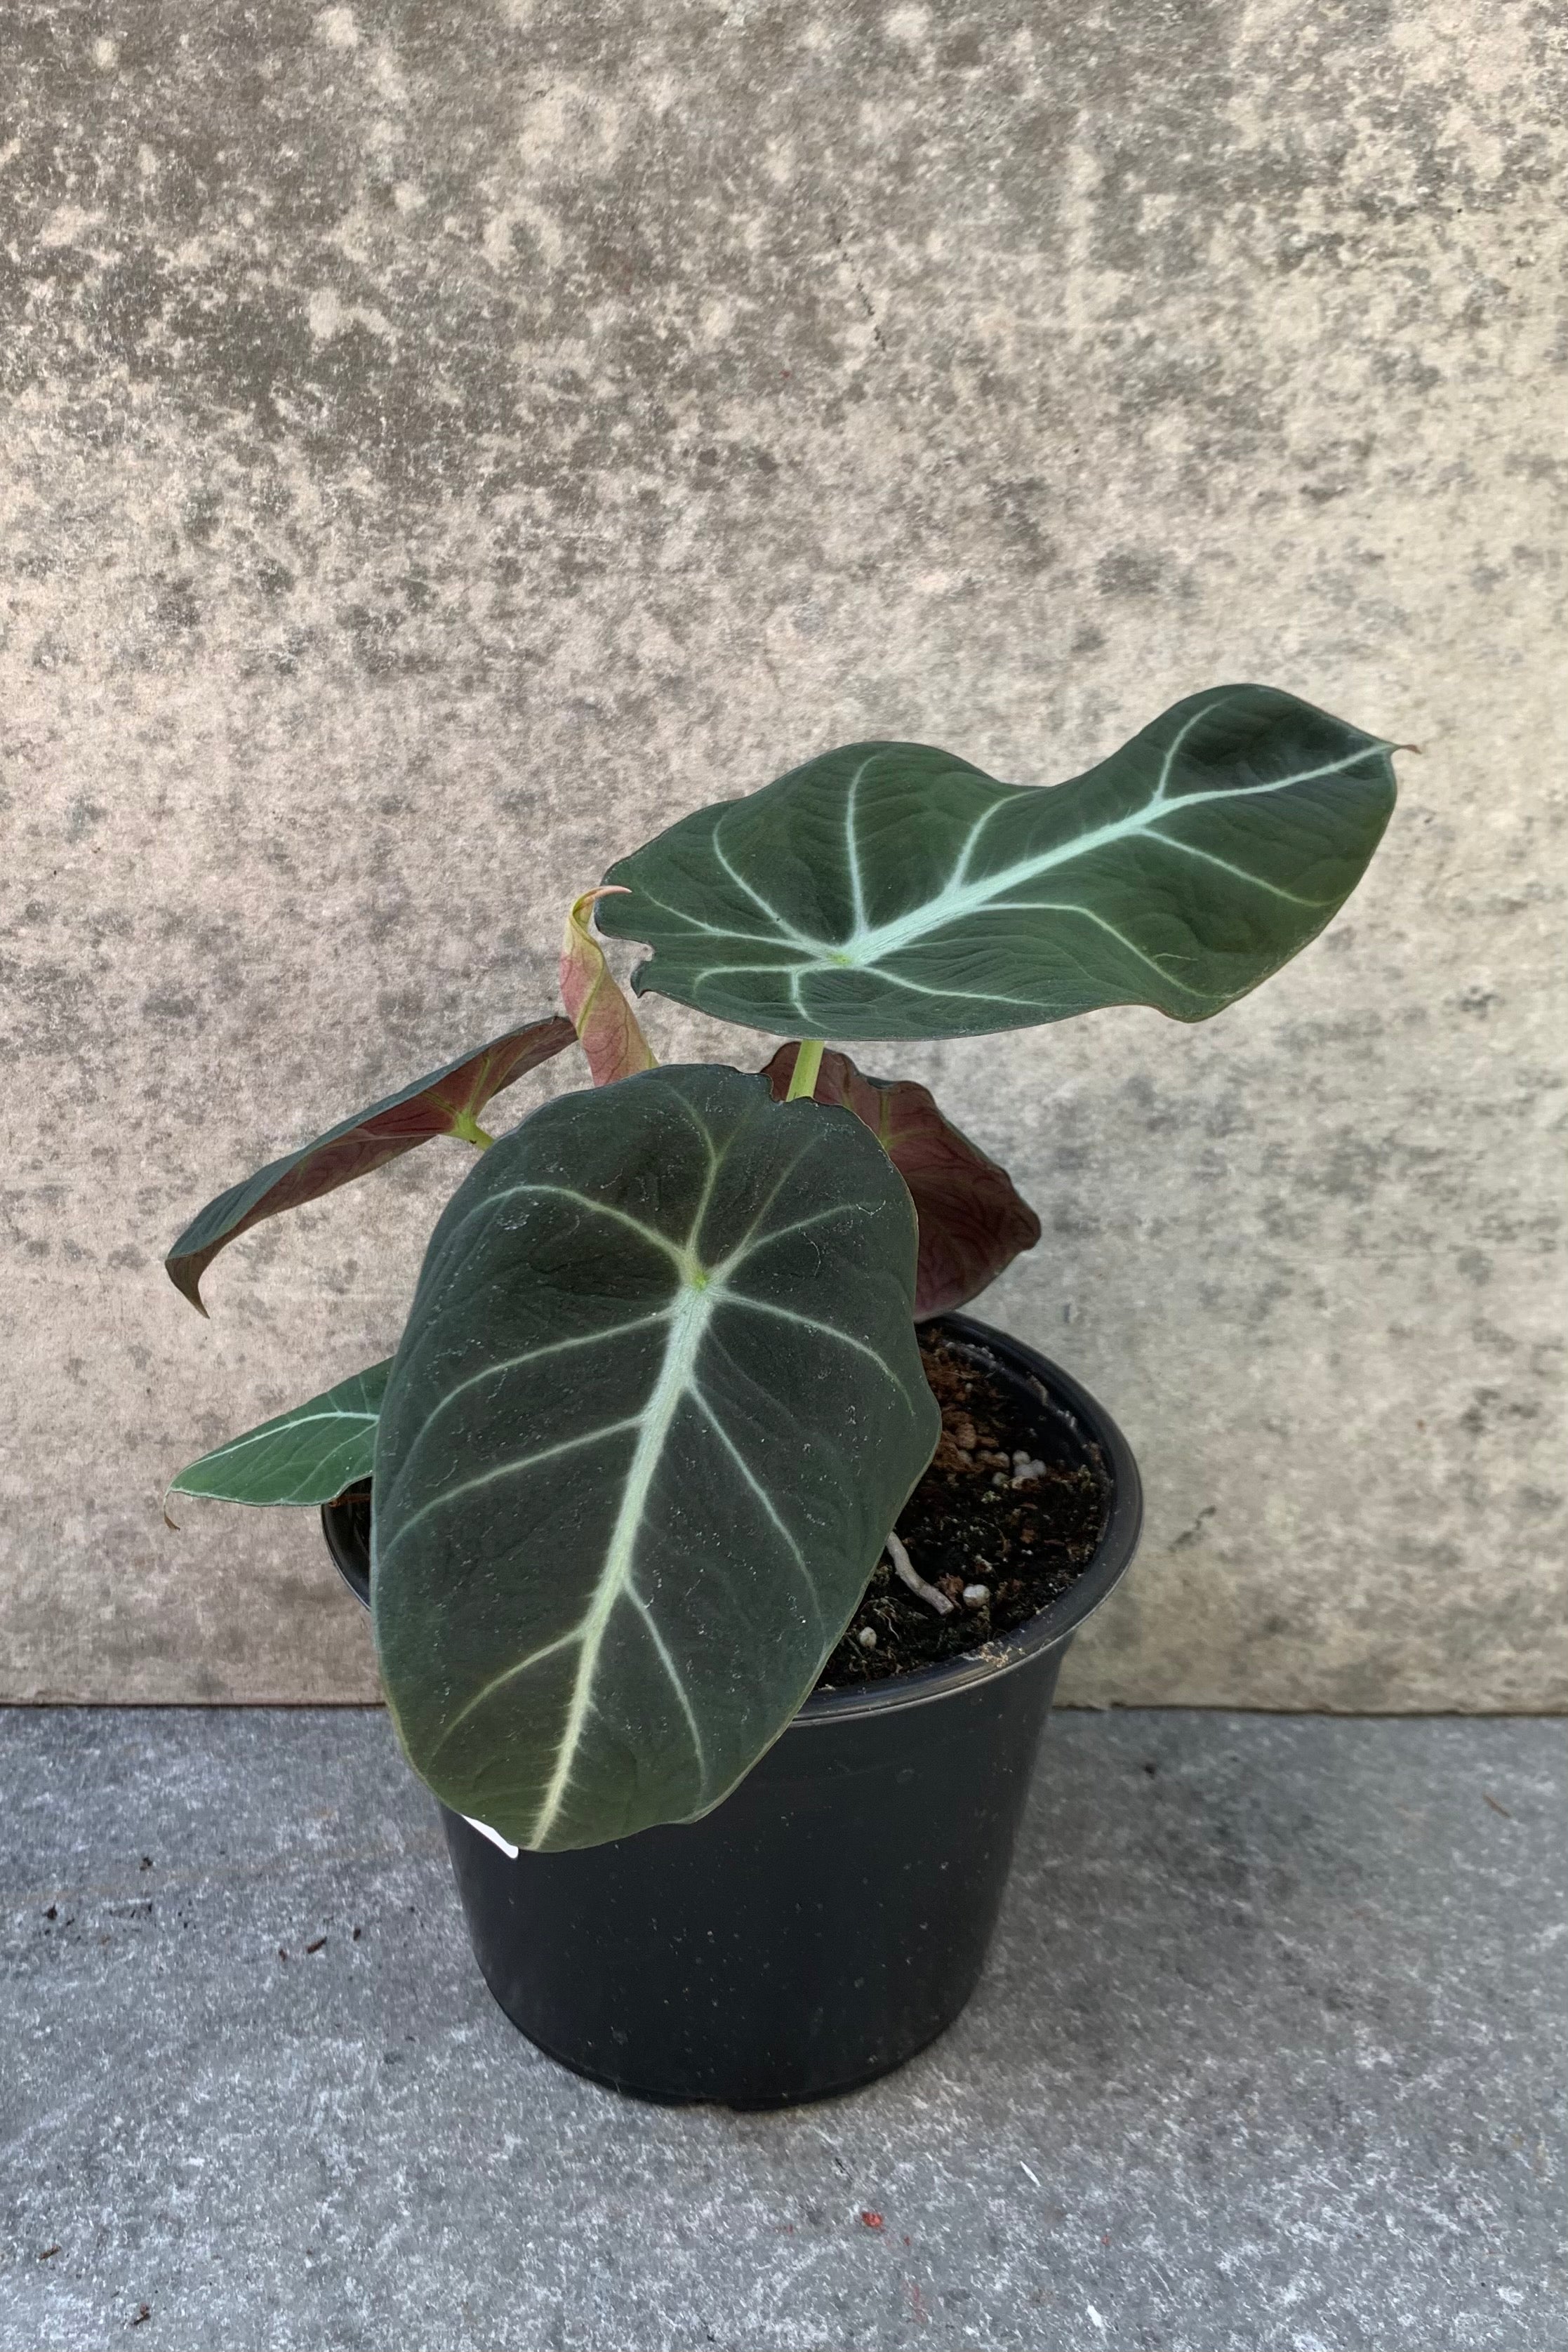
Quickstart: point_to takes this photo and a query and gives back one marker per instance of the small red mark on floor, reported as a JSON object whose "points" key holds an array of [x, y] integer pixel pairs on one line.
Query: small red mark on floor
{"points": [[317, 1945], [872, 2221]]}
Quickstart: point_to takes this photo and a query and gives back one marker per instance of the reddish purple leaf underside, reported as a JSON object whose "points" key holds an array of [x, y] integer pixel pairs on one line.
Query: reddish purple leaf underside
{"points": [[442, 1104], [973, 1220]]}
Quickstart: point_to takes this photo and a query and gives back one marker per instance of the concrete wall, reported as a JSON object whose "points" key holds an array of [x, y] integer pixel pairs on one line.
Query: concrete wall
{"points": [[449, 442]]}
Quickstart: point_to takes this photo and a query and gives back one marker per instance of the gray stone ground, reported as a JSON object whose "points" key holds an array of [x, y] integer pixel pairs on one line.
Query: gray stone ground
{"points": [[1264, 2058]]}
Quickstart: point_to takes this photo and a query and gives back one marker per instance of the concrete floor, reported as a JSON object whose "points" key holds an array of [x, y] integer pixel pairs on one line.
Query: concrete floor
{"points": [[1266, 2057]]}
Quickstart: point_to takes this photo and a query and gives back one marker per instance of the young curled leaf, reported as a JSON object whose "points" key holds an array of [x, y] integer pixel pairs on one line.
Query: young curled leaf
{"points": [[448, 1102], [309, 1455], [972, 1221], [606, 1026]]}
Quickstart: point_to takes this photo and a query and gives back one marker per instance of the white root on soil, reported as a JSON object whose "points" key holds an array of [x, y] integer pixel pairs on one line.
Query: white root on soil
{"points": [[904, 1567]]}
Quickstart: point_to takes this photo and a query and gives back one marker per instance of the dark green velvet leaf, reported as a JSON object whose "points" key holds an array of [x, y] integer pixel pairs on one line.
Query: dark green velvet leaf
{"points": [[891, 890], [659, 1403], [442, 1104]]}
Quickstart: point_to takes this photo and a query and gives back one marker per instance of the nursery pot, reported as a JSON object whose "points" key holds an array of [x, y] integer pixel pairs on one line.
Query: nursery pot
{"points": [[832, 1916]]}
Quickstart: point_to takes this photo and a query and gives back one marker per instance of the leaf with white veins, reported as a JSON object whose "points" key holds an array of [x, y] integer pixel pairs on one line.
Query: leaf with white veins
{"points": [[309, 1455], [658, 1401], [891, 890]]}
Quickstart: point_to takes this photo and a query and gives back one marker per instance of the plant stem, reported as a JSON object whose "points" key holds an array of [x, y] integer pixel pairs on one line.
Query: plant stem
{"points": [[808, 1065], [467, 1129]]}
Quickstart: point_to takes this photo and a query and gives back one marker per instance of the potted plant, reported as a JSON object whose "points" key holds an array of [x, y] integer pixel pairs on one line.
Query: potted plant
{"points": [[728, 1689]]}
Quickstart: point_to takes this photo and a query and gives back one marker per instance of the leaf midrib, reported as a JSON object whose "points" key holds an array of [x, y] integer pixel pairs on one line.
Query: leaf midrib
{"points": [[689, 1326]]}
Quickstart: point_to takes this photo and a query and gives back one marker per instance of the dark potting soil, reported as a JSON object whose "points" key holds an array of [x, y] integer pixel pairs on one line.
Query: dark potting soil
{"points": [[989, 1511]]}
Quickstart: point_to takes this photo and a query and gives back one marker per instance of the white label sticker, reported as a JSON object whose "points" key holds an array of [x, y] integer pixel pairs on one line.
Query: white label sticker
{"points": [[494, 1836]]}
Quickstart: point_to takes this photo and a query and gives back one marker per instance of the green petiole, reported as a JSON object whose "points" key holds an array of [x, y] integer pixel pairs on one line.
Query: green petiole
{"points": [[808, 1065]]}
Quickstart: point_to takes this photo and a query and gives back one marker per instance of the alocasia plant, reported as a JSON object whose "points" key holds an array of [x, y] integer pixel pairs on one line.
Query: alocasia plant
{"points": [[658, 1401]]}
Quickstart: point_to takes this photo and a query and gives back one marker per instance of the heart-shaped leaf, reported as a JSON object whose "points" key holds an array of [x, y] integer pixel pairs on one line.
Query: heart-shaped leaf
{"points": [[972, 1221], [890, 890], [659, 1403], [310, 1454], [448, 1102], [606, 1026]]}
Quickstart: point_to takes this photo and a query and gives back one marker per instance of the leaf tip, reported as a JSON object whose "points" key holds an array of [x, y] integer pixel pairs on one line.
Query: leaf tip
{"points": [[185, 1274]]}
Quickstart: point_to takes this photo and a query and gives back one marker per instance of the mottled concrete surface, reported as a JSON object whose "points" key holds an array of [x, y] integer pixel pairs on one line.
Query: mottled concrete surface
{"points": [[445, 443], [1269, 2057]]}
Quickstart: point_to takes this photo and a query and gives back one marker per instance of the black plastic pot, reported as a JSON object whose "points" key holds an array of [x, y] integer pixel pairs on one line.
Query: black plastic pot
{"points": [[832, 1916]]}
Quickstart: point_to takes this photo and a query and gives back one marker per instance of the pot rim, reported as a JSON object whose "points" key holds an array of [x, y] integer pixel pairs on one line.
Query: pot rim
{"points": [[1047, 1630]]}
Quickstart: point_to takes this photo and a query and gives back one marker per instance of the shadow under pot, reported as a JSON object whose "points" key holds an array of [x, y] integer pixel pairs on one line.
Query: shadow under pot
{"points": [[832, 1916]]}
